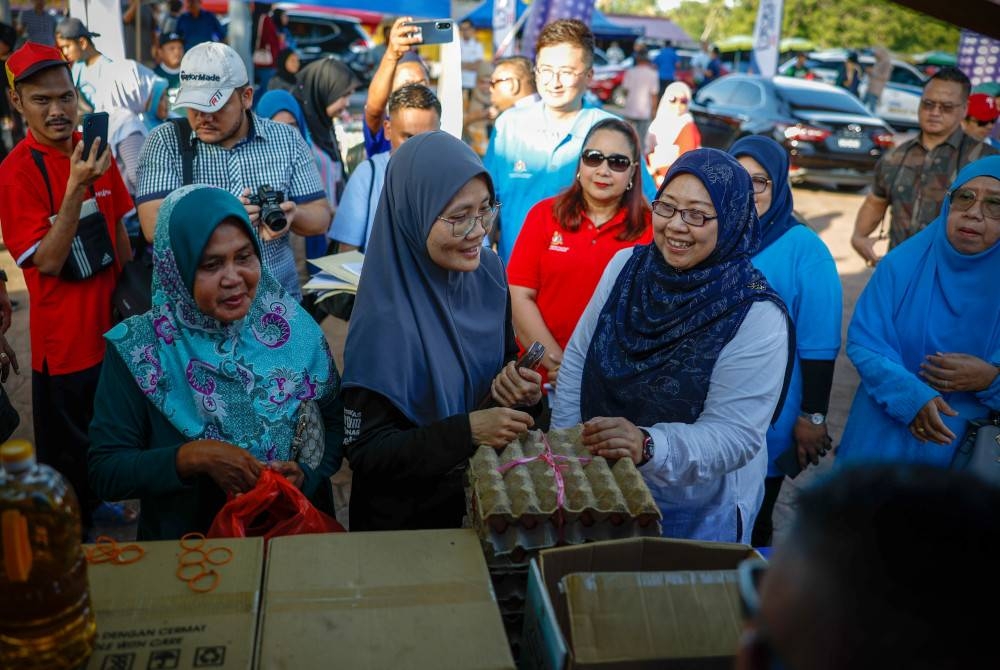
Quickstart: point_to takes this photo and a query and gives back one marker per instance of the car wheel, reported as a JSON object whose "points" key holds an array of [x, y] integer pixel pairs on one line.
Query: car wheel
{"points": [[618, 97]]}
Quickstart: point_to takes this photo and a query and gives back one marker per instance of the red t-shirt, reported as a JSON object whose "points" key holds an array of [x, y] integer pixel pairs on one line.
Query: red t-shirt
{"points": [[564, 267], [68, 318]]}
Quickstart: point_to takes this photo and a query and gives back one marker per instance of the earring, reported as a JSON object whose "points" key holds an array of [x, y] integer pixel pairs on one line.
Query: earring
{"points": [[578, 176], [629, 187]]}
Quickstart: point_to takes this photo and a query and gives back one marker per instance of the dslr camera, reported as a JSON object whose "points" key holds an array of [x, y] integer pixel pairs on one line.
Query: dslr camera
{"points": [[269, 202]]}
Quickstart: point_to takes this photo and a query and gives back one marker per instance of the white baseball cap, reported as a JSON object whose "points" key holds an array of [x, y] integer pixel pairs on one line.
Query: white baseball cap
{"points": [[210, 72]]}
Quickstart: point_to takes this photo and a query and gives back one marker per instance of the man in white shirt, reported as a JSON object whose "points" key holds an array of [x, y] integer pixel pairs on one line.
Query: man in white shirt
{"points": [[472, 56], [642, 88]]}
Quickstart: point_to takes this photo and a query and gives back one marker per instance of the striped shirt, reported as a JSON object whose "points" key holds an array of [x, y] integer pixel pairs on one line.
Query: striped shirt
{"points": [[271, 154]]}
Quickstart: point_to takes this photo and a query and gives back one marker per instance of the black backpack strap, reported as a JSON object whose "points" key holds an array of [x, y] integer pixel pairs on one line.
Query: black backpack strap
{"points": [[39, 159], [187, 148]]}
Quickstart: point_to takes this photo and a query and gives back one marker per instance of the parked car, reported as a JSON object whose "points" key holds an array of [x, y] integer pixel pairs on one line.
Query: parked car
{"points": [[828, 133], [900, 100]]}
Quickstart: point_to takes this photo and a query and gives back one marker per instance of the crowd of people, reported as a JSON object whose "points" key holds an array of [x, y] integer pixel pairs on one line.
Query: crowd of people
{"points": [[690, 321]]}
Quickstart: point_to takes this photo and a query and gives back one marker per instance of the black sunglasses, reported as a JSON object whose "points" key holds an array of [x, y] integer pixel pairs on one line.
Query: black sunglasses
{"points": [[593, 158]]}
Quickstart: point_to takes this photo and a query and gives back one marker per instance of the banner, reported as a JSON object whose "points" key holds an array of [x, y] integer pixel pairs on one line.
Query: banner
{"points": [[544, 12], [979, 57], [105, 18], [504, 17], [766, 37]]}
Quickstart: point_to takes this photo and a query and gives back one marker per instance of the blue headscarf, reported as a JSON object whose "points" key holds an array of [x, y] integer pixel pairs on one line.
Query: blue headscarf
{"points": [[240, 382], [276, 101], [661, 330], [428, 339], [149, 117], [778, 219], [926, 297]]}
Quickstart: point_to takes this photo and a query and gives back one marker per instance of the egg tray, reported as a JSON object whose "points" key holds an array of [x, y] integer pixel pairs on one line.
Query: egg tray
{"points": [[514, 508]]}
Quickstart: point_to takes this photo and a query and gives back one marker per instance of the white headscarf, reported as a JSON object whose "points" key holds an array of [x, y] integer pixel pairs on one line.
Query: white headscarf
{"points": [[666, 126]]}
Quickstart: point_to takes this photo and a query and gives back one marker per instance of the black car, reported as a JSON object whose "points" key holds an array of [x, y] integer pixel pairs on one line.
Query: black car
{"points": [[829, 135], [318, 34]]}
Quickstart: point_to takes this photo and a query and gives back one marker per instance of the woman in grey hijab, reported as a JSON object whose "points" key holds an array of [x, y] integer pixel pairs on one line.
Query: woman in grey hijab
{"points": [[430, 339]]}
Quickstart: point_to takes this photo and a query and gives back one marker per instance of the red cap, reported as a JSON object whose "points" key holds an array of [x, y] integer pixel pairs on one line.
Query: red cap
{"points": [[32, 58], [983, 107]]}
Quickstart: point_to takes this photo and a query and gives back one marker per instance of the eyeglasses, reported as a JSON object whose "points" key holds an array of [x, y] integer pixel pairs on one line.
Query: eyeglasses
{"points": [[618, 163], [675, 100], [980, 123], [759, 183], [546, 75], [692, 217], [945, 107], [462, 227], [964, 198], [496, 82]]}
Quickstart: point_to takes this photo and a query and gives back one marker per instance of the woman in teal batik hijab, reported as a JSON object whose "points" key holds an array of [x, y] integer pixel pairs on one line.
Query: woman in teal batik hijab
{"points": [[203, 391]]}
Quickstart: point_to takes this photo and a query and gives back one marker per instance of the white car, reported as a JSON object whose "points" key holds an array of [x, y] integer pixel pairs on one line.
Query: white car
{"points": [[900, 100]]}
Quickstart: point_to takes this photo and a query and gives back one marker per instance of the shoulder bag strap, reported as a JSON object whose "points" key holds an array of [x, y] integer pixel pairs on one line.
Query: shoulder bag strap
{"points": [[187, 148], [39, 159]]}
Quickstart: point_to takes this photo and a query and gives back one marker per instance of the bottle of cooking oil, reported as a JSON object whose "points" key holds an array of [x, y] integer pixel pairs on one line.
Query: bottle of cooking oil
{"points": [[46, 620]]}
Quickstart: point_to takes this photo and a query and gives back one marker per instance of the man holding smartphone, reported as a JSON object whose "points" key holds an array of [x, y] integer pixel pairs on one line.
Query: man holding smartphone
{"points": [[46, 183]]}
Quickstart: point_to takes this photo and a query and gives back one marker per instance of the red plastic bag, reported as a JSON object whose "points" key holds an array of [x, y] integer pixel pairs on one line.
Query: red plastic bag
{"points": [[274, 507]]}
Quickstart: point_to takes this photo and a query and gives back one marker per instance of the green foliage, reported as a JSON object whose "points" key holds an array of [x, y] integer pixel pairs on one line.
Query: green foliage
{"points": [[845, 23]]}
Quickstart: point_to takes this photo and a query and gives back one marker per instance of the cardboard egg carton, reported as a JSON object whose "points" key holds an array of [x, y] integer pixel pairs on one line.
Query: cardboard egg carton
{"points": [[514, 495]]}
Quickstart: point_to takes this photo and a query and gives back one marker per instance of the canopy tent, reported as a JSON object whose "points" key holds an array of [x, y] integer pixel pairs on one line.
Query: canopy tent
{"points": [[654, 28], [601, 25], [939, 58], [430, 9]]}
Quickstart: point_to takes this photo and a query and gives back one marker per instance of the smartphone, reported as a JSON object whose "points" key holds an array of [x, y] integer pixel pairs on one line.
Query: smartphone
{"points": [[95, 125], [435, 31], [531, 358]]}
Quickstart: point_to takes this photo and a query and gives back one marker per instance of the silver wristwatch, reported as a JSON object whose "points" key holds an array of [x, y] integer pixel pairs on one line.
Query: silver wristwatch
{"points": [[815, 419]]}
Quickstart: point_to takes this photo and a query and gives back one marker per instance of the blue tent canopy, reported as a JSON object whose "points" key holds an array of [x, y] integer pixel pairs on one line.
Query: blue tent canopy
{"points": [[431, 9], [482, 17]]}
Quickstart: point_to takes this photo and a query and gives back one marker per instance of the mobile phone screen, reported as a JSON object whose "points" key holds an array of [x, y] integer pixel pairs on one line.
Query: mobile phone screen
{"points": [[95, 125]]}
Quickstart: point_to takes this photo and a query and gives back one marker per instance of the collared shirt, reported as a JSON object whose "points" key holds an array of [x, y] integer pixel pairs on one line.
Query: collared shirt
{"points": [[564, 266], [68, 318], [915, 180], [202, 28], [530, 160], [271, 154]]}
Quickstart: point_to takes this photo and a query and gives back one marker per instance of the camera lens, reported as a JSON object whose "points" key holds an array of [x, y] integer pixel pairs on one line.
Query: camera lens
{"points": [[273, 217]]}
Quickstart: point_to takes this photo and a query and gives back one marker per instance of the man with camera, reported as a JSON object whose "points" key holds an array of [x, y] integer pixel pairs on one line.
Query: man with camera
{"points": [[267, 164], [61, 210]]}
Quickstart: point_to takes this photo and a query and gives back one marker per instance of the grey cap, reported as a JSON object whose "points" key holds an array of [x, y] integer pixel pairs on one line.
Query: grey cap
{"points": [[72, 28]]}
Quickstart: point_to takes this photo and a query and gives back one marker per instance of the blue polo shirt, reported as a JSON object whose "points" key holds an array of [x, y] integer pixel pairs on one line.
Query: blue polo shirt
{"points": [[801, 269], [666, 63], [203, 28], [529, 162]]}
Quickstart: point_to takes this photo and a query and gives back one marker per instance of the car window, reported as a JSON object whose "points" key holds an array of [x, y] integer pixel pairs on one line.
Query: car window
{"points": [[902, 75], [309, 32], [746, 94], [821, 100], [718, 92]]}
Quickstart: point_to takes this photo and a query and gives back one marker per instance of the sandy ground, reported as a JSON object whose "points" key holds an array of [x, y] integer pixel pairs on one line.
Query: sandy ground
{"points": [[830, 213]]}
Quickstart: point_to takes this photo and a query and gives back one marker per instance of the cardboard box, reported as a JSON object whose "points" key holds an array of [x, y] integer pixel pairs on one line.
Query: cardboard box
{"points": [[547, 626], [404, 599], [148, 618]]}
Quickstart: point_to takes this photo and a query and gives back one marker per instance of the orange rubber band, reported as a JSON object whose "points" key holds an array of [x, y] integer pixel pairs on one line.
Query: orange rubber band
{"points": [[107, 554], [188, 578], [106, 539], [192, 583], [133, 548], [182, 559], [220, 561], [192, 536]]}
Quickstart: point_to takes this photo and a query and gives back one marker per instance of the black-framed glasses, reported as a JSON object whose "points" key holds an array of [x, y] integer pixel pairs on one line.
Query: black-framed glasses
{"points": [[617, 162], [462, 227], [759, 183], [546, 75], [962, 199], [496, 82], [945, 107], [692, 217]]}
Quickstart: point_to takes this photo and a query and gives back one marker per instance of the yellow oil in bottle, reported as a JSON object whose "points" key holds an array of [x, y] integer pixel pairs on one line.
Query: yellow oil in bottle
{"points": [[46, 620]]}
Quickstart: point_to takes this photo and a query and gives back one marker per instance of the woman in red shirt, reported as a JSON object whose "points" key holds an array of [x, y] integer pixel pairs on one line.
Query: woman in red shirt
{"points": [[567, 240]]}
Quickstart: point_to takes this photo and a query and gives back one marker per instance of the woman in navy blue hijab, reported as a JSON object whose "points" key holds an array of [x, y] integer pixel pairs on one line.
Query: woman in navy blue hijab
{"points": [[680, 358], [430, 339], [802, 271]]}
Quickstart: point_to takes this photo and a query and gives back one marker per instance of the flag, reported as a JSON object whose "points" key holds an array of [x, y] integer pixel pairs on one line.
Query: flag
{"points": [[544, 12], [504, 16], [979, 57], [766, 37]]}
